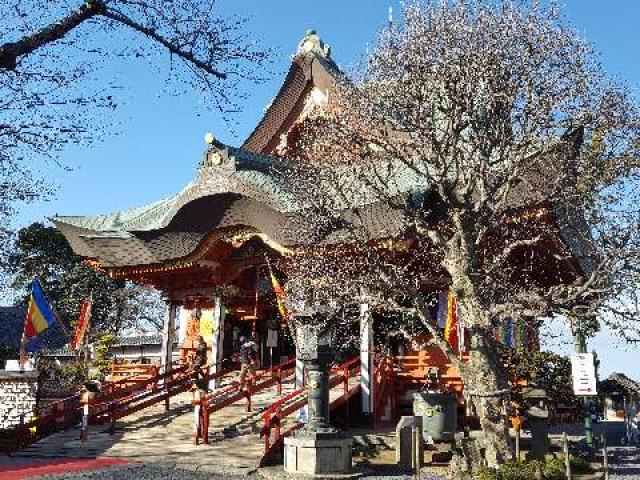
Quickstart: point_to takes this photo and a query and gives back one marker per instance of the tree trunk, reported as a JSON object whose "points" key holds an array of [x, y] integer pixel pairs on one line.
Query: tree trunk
{"points": [[484, 376], [485, 384]]}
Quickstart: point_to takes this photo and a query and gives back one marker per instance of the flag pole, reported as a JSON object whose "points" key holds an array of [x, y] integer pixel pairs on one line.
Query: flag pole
{"points": [[23, 341], [23, 349]]}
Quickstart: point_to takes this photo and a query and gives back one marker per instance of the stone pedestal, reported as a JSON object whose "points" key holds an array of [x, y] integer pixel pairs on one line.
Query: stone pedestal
{"points": [[539, 425], [319, 449], [407, 441], [315, 455]]}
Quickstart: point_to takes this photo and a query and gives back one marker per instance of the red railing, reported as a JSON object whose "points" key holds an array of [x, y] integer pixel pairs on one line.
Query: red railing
{"points": [[295, 400], [66, 412], [144, 393], [235, 392]]}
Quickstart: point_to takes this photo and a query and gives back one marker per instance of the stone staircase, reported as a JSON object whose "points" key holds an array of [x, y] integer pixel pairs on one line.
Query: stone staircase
{"points": [[153, 435]]}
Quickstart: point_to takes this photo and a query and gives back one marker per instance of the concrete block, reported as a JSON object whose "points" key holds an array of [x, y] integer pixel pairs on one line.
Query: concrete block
{"points": [[311, 456], [405, 440]]}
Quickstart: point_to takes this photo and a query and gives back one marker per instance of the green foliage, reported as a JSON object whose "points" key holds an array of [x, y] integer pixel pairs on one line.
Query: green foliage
{"points": [[7, 352], [101, 359], [552, 469], [547, 369], [65, 377], [580, 466], [509, 471], [43, 252]]}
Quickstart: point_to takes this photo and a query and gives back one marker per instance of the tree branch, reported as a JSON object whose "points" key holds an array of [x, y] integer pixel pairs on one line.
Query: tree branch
{"points": [[12, 51], [151, 33]]}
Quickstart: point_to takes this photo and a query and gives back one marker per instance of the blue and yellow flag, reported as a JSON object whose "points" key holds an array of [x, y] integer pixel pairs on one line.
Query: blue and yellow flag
{"points": [[40, 315]]}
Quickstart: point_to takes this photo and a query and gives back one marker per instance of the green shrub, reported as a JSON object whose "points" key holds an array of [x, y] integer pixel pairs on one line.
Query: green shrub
{"points": [[102, 360], [553, 469], [487, 474], [580, 466]]}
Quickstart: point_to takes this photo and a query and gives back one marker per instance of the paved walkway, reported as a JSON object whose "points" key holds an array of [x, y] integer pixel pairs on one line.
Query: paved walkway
{"points": [[166, 438]]}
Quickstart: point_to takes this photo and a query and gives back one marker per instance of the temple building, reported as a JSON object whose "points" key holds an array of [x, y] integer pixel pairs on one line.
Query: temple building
{"points": [[204, 248]]}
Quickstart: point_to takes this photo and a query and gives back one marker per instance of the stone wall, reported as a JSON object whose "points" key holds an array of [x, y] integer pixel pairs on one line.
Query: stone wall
{"points": [[17, 396]]}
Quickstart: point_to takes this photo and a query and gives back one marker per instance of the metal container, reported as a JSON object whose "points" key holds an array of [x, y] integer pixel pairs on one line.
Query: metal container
{"points": [[439, 412]]}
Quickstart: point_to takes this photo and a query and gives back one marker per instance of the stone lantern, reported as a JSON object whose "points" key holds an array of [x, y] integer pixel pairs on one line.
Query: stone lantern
{"points": [[319, 448], [537, 415]]}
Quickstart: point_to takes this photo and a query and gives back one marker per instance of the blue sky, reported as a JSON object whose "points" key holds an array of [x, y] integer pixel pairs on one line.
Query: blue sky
{"points": [[156, 139]]}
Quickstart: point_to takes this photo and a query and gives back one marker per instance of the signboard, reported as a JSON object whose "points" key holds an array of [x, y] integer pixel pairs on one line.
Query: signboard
{"points": [[207, 325], [583, 372]]}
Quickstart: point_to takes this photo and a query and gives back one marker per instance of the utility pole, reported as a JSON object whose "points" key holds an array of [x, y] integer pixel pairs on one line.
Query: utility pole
{"points": [[580, 343]]}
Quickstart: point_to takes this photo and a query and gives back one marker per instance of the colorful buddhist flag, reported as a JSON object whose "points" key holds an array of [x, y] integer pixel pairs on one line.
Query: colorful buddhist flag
{"points": [[443, 308], [519, 333], [40, 315], [279, 291], [508, 339], [83, 324], [451, 325]]}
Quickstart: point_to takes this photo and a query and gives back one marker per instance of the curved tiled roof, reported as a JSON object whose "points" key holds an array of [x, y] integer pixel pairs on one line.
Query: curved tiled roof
{"points": [[239, 189], [308, 69], [245, 187]]}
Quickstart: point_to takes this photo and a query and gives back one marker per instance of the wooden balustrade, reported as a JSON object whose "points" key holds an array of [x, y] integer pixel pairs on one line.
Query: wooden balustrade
{"points": [[294, 401], [236, 391]]}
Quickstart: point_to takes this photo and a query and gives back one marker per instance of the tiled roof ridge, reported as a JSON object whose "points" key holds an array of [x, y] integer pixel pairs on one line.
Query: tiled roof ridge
{"points": [[230, 176], [625, 381], [295, 86]]}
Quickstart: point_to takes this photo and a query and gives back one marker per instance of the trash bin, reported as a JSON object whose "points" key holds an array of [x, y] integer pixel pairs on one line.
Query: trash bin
{"points": [[439, 412]]}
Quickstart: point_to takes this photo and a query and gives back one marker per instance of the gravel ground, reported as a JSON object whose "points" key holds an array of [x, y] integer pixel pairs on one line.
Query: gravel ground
{"points": [[164, 472], [140, 472]]}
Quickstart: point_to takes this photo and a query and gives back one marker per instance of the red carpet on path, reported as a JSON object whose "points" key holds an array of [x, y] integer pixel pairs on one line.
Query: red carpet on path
{"points": [[31, 470]]}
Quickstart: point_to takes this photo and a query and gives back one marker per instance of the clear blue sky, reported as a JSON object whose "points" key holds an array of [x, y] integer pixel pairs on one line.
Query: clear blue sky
{"points": [[158, 138]]}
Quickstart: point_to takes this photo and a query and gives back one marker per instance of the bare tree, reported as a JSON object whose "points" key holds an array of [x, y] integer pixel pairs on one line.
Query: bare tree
{"points": [[482, 147], [52, 90]]}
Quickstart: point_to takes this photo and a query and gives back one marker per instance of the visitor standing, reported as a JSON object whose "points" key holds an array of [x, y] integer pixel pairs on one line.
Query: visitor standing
{"points": [[248, 358]]}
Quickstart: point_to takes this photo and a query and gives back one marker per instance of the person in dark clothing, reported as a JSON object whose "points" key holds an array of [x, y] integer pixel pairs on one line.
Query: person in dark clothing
{"points": [[248, 358], [199, 364], [200, 359]]}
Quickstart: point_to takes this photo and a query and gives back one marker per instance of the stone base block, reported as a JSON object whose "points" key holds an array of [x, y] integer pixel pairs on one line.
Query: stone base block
{"points": [[314, 456]]}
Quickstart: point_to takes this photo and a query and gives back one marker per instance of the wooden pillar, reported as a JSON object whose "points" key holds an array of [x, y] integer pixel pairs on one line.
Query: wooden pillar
{"points": [[217, 341], [168, 333], [299, 372], [366, 359]]}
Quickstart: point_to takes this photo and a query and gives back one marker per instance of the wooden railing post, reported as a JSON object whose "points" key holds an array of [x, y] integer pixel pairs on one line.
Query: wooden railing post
{"points": [[85, 422], [205, 420], [196, 416], [278, 422], [112, 417], [167, 382], [345, 373], [248, 392], [347, 415], [279, 379], [267, 432]]}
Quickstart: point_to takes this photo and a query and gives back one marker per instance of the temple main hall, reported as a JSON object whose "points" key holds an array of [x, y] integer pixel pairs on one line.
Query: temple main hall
{"points": [[207, 247]]}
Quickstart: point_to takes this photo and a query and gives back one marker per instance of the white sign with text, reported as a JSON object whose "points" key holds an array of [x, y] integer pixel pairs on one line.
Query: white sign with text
{"points": [[583, 371]]}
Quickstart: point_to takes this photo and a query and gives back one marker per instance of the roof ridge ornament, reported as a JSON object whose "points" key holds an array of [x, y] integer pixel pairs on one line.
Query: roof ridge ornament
{"points": [[312, 43], [216, 154]]}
